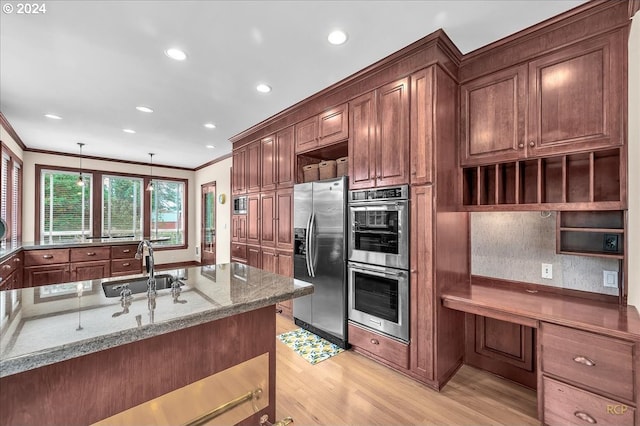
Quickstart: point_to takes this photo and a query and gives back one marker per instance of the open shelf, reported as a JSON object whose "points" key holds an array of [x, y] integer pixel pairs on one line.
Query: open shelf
{"points": [[329, 152], [589, 180], [591, 233]]}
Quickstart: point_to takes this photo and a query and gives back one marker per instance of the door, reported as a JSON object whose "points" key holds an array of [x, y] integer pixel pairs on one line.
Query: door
{"points": [[362, 143], [208, 224], [392, 150], [302, 208], [326, 246]]}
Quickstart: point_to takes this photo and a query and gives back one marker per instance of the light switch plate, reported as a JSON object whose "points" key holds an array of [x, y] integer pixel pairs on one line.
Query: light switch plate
{"points": [[547, 271], [610, 279]]}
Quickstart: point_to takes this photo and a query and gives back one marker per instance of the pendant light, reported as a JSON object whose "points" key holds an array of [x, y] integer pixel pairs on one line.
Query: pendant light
{"points": [[80, 181], [150, 185]]}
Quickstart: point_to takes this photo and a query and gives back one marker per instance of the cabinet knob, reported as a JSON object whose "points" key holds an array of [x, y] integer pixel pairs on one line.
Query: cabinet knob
{"points": [[520, 145], [6, 267], [375, 341], [532, 143], [585, 417], [16, 260]]}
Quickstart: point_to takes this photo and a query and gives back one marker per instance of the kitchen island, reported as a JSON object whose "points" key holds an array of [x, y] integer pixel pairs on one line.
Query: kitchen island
{"points": [[71, 355]]}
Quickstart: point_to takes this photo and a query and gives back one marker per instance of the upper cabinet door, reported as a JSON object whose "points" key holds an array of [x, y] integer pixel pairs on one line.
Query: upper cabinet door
{"points": [[307, 134], [393, 134], [362, 143], [239, 165], [576, 97], [269, 163], [285, 157], [252, 172], [492, 119], [422, 126], [333, 125]]}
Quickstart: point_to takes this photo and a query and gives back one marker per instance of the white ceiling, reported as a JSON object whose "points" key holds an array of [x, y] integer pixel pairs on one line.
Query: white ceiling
{"points": [[93, 62]]}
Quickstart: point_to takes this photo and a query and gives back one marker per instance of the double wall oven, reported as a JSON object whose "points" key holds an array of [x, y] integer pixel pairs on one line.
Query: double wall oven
{"points": [[379, 260]]}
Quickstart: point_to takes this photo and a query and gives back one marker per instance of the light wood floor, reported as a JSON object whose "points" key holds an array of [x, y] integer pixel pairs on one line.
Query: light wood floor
{"points": [[350, 389]]}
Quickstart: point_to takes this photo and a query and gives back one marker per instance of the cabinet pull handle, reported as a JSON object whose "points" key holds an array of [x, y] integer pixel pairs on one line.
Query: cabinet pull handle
{"points": [[91, 253], [584, 360], [17, 260], [375, 341], [126, 264], [47, 256], [532, 144], [520, 145], [6, 266], [585, 417], [126, 251]]}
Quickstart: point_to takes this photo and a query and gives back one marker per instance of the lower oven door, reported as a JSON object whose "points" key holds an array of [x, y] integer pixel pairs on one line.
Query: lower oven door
{"points": [[379, 299]]}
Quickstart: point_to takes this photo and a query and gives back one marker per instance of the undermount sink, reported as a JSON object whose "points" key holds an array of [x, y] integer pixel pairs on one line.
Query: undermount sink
{"points": [[138, 285]]}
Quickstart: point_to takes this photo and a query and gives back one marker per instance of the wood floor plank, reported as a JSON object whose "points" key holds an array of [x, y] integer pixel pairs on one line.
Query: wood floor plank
{"points": [[350, 389]]}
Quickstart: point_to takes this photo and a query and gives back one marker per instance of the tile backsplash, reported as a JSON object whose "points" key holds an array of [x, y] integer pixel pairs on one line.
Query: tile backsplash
{"points": [[513, 246]]}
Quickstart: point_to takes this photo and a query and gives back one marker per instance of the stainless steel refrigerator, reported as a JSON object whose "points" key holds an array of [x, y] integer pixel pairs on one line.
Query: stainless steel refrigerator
{"points": [[319, 228]]}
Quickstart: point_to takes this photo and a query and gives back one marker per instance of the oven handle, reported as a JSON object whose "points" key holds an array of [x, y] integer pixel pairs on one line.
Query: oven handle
{"points": [[312, 255], [377, 273], [383, 205]]}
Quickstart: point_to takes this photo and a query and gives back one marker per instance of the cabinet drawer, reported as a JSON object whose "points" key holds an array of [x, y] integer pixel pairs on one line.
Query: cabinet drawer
{"points": [[46, 257], [89, 254], [132, 266], [124, 252], [9, 266], [384, 347], [602, 363], [239, 251], [568, 405]]}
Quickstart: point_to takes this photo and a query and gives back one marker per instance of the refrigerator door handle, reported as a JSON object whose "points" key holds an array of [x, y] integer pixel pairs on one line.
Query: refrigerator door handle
{"points": [[311, 246], [307, 242]]}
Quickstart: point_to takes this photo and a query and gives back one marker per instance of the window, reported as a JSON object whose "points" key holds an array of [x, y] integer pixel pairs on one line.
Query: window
{"points": [[167, 212], [110, 205], [122, 200], [11, 196], [66, 208]]}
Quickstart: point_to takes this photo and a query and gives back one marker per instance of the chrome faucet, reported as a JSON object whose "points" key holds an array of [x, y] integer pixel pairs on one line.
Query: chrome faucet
{"points": [[151, 282]]}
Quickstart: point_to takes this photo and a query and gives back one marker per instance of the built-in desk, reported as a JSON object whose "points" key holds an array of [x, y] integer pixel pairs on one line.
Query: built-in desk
{"points": [[588, 351]]}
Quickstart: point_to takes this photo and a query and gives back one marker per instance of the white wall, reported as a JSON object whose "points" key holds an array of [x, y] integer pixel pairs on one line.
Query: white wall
{"points": [[220, 173], [633, 237], [30, 159]]}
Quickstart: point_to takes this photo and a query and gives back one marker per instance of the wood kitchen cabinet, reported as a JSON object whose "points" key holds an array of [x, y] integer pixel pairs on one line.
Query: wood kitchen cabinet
{"points": [[279, 262], [11, 272], [276, 228], [43, 267], [277, 160], [239, 164], [586, 378], [254, 221], [252, 168], [379, 142], [327, 128], [123, 261], [90, 263], [567, 101], [239, 228], [238, 252], [254, 256]]}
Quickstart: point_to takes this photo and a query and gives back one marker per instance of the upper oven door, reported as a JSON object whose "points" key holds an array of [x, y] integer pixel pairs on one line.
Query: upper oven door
{"points": [[379, 233]]}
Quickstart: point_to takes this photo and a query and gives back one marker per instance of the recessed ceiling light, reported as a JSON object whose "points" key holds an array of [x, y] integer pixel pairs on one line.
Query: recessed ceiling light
{"points": [[128, 131], [55, 117], [210, 126], [337, 37], [210, 146], [143, 108], [176, 54], [263, 88]]}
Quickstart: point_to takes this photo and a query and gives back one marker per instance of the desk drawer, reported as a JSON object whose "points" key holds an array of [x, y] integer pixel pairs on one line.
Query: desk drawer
{"points": [[377, 344], [602, 363], [568, 405], [86, 254], [46, 257]]}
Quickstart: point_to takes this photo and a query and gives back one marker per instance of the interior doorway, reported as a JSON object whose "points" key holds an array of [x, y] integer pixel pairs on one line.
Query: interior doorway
{"points": [[208, 224]]}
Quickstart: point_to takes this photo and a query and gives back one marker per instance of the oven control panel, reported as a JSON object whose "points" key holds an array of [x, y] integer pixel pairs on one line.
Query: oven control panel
{"points": [[380, 194]]}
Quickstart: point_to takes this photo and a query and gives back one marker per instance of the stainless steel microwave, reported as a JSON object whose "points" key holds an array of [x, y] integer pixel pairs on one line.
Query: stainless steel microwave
{"points": [[240, 204]]}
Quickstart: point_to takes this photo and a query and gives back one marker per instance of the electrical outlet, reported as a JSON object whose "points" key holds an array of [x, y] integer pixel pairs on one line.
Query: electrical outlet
{"points": [[610, 279], [547, 271]]}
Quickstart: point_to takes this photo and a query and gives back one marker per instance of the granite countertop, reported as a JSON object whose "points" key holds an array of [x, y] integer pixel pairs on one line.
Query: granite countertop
{"points": [[10, 248], [54, 323]]}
